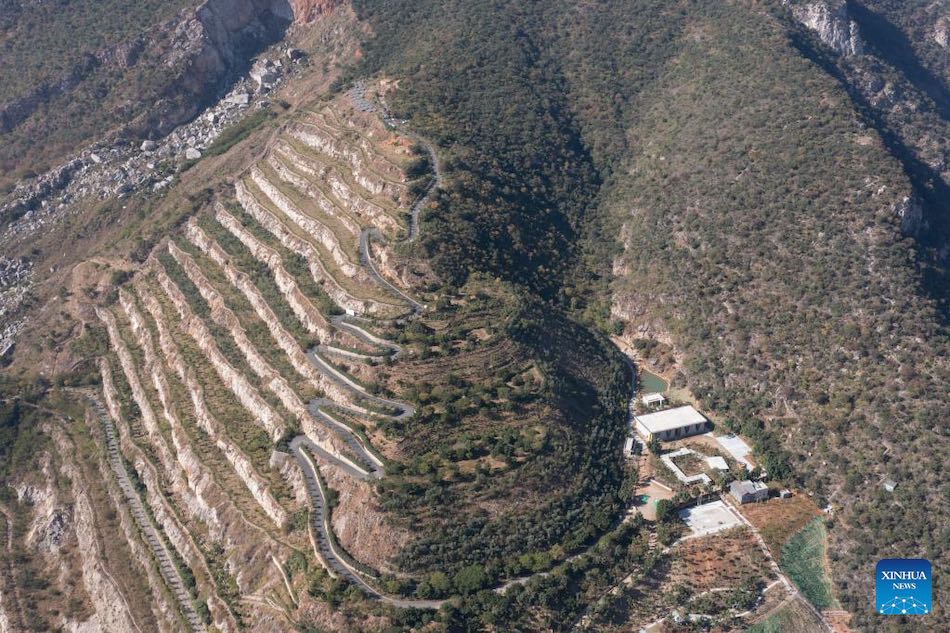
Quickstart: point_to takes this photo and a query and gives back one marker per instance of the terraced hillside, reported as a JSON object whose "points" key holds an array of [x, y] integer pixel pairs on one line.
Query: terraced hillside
{"points": [[228, 344], [297, 412], [339, 353]]}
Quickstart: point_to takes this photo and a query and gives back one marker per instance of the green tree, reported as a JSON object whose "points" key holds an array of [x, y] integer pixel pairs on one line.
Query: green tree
{"points": [[470, 579], [665, 511]]}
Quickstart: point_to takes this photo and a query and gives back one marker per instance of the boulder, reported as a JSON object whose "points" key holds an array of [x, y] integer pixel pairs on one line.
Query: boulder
{"points": [[942, 32], [264, 73], [238, 98]]}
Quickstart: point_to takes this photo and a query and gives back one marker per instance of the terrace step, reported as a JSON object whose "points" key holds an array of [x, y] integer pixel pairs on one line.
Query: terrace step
{"points": [[169, 571]]}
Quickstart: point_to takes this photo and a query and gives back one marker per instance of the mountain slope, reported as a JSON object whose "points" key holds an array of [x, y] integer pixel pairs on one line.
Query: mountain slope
{"points": [[354, 363], [761, 204], [108, 71]]}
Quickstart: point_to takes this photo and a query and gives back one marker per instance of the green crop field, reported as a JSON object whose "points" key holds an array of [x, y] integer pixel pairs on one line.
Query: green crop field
{"points": [[802, 559], [793, 618]]}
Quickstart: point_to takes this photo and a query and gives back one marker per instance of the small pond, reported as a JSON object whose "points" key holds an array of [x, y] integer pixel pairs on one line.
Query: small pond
{"points": [[651, 383]]}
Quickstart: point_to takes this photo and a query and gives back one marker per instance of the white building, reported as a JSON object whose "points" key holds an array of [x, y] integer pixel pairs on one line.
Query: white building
{"points": [[749, 491], [652, 399], [628, 447], [671, 424], [719, 463]]}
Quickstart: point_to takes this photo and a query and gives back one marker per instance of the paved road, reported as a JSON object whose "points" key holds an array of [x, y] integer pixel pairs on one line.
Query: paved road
{"points": [[374, 234], [344, 322], [436, 184], [166, 566], [321, 408], [334, 557], [304, 450], [405, 409]]}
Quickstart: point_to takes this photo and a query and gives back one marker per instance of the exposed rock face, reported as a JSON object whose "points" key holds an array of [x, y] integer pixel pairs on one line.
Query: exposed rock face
{"points": [[321, 232], [297, 245], [942, 32], [360, 205], [238, 460], [112, 612], [247, 395], [206, 49], [910, 212], [360, 524], [201, 48], [202, 53], [162, 605], [310, 317], [265, 73], [323, 142], [831, 21], [306, 11]]}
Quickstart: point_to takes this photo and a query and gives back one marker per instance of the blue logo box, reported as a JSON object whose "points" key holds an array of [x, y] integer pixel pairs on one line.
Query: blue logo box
{"points": [[904, 586]]}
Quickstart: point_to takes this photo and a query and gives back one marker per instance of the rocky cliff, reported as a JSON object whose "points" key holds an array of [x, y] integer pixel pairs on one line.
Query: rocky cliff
{"points": [[306, 11], [831, 21], [209, 46], [196, 52]]}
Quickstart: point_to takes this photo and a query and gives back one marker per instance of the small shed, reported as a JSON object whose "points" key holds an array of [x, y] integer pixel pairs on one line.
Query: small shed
{"points": [[653, 399], [890, 484], [628, 447], [747, 491]]}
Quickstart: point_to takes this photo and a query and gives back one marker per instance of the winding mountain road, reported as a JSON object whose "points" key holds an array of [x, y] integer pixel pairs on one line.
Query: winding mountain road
{"points": [[338, 562]]}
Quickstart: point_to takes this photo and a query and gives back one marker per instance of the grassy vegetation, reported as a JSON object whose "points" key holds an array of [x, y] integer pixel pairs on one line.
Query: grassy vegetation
{"points": [[803, 559], [65, 37], [240, 131], [777, 623], [81, 51], [794, 618]]}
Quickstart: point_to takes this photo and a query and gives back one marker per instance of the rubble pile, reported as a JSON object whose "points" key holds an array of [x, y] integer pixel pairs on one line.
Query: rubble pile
{"points": [[15, 278], [121, 167]]}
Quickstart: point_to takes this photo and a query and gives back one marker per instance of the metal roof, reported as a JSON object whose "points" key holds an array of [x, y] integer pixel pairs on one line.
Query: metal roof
{"points": [[671, 419], [740, 488]]}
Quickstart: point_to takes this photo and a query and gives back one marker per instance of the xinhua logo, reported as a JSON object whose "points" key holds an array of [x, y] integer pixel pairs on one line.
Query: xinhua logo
{"points": [[904, 586]]}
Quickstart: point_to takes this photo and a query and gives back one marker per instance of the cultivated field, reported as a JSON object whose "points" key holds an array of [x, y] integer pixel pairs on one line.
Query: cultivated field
{"points": [[778, 519], [803, 559]]}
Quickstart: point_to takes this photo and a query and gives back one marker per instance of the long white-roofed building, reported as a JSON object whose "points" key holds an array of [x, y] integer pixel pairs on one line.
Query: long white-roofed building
{"points": [[671, 424]]}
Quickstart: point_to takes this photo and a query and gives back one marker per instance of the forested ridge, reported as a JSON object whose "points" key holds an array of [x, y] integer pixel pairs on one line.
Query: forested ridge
{"points": [[754, 198]]}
